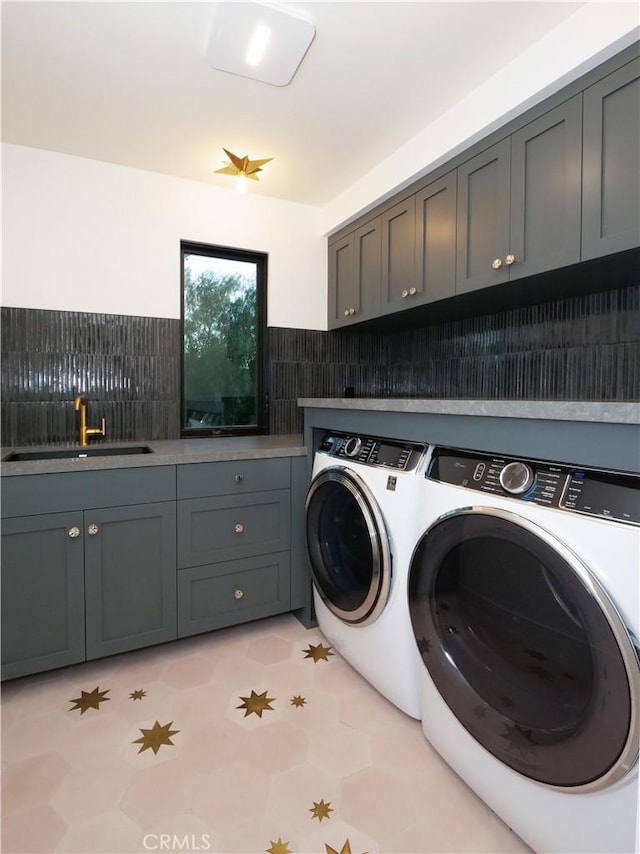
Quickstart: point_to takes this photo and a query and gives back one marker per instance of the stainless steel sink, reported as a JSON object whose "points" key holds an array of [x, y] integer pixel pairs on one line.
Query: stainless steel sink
{"points": [[75, 453]]}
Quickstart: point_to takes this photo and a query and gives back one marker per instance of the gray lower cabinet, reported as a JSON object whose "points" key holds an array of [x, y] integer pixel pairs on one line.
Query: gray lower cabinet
{"points": [[42, 593], [235, 543], [88, 581], [130, 577], [611, 200]]}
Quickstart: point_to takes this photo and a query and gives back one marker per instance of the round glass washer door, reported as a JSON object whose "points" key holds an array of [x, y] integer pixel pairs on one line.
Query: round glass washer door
{"points": [[526, 648], [348, 546]]}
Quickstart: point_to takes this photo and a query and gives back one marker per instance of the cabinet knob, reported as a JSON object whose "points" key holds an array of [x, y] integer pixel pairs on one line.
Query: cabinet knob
{"points": [[510, 259], [238, 478], [413, 292], [404, 294], [238, 593], [352, 311], [346, 312], [73, 532], [238, 528], [497, 263], [92, 529]]}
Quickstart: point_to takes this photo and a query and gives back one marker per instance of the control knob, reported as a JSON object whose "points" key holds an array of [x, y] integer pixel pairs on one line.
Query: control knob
{"points": [[516, 478], [353, 446]]}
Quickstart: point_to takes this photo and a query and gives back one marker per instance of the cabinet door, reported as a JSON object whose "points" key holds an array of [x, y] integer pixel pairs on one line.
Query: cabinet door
{"points": [[354, 276], [435, 241], [483, 219], [611, 173], [130, 577], [546, 176], [342, 295], [42, 593], [398, 256]]}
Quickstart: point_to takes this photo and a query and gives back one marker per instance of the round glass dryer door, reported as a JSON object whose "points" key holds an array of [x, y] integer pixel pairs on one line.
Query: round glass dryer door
{"points": [[348, 546], [526, 648]]}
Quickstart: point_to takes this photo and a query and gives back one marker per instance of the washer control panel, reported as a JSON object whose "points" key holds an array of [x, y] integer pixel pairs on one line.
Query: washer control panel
{"points": [[594, 492], [373, 451]]}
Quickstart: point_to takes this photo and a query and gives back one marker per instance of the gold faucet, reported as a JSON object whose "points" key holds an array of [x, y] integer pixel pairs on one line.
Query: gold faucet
{"points": [[80, 405]]}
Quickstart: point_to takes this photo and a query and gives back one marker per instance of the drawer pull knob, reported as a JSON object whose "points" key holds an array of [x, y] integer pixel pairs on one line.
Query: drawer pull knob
{"points": [[413, 292], [92, 529], [510, 259], [238, 478], [497, 263], [238, 528], [404, 294], [238, 593], [73, 532]]}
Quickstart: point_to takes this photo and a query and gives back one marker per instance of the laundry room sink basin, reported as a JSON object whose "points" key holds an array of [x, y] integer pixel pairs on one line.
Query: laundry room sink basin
{"points": [[75, 453]]}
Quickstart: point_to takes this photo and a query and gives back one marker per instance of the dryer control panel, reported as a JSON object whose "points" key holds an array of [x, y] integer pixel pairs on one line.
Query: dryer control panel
{"points": [[595, 492], [373, 451]]}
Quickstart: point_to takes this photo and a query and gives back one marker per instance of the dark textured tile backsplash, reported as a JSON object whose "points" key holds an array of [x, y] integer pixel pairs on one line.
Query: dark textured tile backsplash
{"points": [[582, 348]]}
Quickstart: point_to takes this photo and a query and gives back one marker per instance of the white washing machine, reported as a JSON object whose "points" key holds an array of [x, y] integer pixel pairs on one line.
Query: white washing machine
{"points": [[362, 526], [524, 601]]}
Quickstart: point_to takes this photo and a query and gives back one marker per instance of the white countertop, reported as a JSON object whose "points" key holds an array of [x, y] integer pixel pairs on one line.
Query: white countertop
{"points": [[548, 410]]}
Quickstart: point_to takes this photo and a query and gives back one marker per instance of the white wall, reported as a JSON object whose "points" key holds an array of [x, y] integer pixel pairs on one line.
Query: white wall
{"points": [[595, 32], [81, 235]]}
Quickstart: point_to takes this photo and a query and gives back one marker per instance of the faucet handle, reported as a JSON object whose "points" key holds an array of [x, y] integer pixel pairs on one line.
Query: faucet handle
{"points": [[103, 427]]}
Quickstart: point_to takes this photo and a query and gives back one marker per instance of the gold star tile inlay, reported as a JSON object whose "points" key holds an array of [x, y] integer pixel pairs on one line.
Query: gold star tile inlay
{"points": [[279, 847], [155, 737], [321, 810], [256, 704], [89, 700], [298, 702], [318, 652], [137, 695]]}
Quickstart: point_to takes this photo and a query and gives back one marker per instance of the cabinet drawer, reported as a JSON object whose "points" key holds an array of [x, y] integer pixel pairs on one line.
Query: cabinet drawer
{"points": [[211, 530], [32, 494], [225, 594], [233, 477]]}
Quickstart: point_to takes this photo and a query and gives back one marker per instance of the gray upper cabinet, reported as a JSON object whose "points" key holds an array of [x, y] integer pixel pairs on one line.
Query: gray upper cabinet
{"points": [[519, 202], [562, 186], [398, 257], [546, 176], [483, 219], [435, 242], [354, 276], [611, 200]]}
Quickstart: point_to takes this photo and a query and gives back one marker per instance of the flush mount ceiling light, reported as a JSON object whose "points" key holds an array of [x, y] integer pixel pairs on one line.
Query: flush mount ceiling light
{"points": [[261, 41], [242, 168]]}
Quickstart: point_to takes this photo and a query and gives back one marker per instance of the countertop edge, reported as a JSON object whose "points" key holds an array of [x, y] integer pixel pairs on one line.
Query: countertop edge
{"points": [[165, 453], [613, 412]]}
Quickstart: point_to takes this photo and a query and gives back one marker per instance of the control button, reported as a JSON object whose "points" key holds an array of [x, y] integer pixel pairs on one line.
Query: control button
{"points": [[479, 471], [353, 446], [516, 478]]}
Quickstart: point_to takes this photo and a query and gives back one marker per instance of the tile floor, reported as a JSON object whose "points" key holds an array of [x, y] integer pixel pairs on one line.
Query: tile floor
{"points": [[234, 741]]}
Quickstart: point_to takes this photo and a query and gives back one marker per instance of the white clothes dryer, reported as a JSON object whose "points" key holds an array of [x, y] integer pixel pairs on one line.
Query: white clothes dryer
{"points": [[524, 602], [361, 528]]}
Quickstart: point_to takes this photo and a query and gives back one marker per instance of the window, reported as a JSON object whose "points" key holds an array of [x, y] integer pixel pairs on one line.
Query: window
{"points": [[224, 295]]}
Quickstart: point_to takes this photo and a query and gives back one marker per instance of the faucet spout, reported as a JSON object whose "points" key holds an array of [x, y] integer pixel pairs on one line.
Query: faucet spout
{"points": [[84, 432]]}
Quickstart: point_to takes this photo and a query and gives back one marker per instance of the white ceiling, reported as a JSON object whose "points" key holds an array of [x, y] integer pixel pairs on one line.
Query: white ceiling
{"points": [[128, 83]]}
